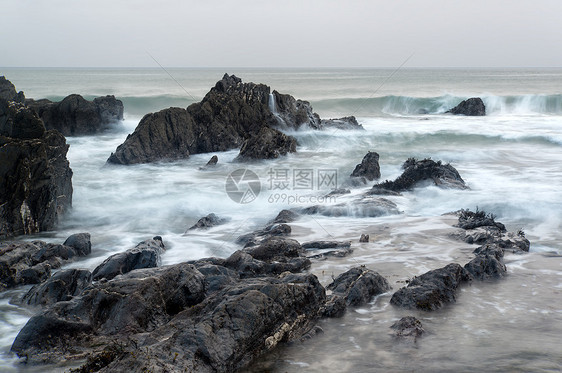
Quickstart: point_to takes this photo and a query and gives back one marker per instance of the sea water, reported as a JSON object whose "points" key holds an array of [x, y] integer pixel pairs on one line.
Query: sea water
{"points": [[510, 159]]}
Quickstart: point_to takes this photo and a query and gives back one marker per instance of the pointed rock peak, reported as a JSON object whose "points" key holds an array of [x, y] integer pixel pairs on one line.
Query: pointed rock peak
{"points": [[227, 81]]}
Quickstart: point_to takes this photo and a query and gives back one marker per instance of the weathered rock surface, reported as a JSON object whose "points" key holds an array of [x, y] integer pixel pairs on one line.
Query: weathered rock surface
{"points": [[35, 177], [334, 307], [62, 286], [345, 123], [268, 143], [359, 285], [325, 249], [24, 263], [408, 328], [417, 172], [433, 289], [208, 221], [369, 167], [485, 267], [364, 207], [231, 113], [197, 317], [147, 254], [76, 116], [472, 220], [472, 107]]}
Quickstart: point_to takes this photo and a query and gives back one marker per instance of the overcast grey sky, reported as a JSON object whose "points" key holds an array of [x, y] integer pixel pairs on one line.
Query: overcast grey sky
{"points": [[282, 33]]}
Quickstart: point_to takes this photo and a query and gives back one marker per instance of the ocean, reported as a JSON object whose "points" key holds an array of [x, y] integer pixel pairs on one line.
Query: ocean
{"points": [[510, 159]]}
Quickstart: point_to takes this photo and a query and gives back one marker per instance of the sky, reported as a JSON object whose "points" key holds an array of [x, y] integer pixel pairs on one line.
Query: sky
{"points": [[284, 33]]}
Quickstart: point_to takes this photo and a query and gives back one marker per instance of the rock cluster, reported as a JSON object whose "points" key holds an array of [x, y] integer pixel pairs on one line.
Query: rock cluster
{"points": [[76, 116], [232, 114], [26, 263]]}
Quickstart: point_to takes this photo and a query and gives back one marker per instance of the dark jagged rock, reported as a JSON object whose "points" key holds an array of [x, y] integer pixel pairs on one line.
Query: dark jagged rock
{"points": [[408, 328], [472, 220], [366, 207], [137, 302], [433, 289], [416, 172], [62, 286], [208, 221], [81, 242], [76, 116], [294, 113], [268, 143], [472, 107], [334, 307], [276, 248], [163, 319], [231, 113], [485, 267], [35, 177], [345, 123], [359, 285], [147, 254], [19, 122], [369, 168], [25, 263], [8, 91]]}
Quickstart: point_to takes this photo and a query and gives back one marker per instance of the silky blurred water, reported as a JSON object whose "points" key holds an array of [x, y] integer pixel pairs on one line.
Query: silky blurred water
{"points": [[510, 159]]}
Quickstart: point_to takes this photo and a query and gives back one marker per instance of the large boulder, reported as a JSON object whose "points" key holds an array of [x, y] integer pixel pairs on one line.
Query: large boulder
{"points": [[472, 107], [75, 116], [417, 173], [231, 113], [24, 263], [433, 289], [147, 254], [35, 177], [369, 167]]}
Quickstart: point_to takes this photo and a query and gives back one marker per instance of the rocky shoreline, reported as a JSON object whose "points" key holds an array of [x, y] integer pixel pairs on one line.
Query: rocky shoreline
{"points": [[212, 314]]}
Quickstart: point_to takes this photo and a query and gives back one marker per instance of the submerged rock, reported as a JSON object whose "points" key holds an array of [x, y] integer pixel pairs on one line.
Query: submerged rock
{"points": [[472, 107], [417, 172], [433, 289], [364, 207], [359, 285], [208, 221], [408, 328], [147, 254], [345, 123], [76, 116], [369, 167]]}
